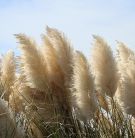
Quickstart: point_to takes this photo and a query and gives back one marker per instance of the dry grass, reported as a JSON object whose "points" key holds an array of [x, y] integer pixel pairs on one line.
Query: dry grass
{"points": [[52, 91]]}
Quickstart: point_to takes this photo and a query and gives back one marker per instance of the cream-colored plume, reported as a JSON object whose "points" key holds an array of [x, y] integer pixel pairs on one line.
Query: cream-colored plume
{"points": [[18, 96], [123, 56], [8, 126], [83, 87], [34, 65], [55, 73], [8, 73], [126, 90], [63, 49], [104, 67], [64, 55], [123, 52]]}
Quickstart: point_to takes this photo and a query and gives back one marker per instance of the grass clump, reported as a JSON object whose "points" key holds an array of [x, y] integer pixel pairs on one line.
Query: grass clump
{"points": [[52, 91]]}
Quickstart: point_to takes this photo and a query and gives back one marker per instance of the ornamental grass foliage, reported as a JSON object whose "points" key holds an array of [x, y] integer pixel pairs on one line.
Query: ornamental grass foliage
{"points": [[53, 91]]}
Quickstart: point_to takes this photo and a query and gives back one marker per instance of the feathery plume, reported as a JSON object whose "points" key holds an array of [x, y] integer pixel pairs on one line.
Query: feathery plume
{"points": [[8, 73], [64, 56], [83, 86], [16, 99], [123, 55], [123, 52], [34, 65], [126, 89], [104, 67], [55, 73], [63, 50]]}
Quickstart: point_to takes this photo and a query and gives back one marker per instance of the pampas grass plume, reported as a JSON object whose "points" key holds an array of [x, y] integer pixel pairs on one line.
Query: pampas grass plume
{"points": [[55, 73], [63, 49], [123, 52], [123, 56], [104, 67], [83, 87], [126, 89], [8, 73], [34, 65]]}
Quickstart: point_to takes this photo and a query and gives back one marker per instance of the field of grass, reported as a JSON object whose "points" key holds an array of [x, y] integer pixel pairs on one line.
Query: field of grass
{"points": [[53, 91]]}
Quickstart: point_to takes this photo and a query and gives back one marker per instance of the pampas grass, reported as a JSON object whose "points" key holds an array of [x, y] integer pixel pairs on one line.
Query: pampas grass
{"points": [[104, 67], [16, 100], [123, 55], [7, 74], [8, 127], [63, 49], [55, 73], [58, 54], [83, 87], [35, 87], [125, 92], [34, 64], [126, 89], [123, 52], [52, 91]]}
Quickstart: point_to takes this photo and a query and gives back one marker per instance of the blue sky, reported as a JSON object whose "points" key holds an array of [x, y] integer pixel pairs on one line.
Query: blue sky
{"points": [[79, 19]]}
